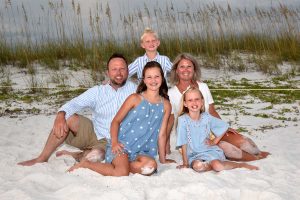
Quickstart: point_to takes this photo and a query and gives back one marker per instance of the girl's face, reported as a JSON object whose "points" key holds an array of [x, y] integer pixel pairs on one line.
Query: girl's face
{"points": [[185, 70], [193, 101], [153, 78]]}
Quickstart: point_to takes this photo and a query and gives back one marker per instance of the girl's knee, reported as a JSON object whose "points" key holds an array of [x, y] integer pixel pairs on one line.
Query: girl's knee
{"points": [[200, 166], [217, 165], [149, 167]]}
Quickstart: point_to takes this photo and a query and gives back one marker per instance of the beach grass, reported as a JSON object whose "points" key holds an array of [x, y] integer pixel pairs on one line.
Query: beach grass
{"points": [[211, 32]]}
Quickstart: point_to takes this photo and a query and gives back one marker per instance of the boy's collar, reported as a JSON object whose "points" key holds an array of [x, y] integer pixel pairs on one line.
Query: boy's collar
{"points": [[145, 57]]}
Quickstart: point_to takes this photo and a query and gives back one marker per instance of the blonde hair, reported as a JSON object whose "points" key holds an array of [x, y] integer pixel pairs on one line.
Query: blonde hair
{"points": [[183, 109], [174, 77], [149, 31]]}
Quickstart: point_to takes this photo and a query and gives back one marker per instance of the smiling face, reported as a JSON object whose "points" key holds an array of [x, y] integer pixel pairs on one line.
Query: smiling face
{"points": [[185, 70], [193, 101], [150, 42], [117, 72], [153, 78]]}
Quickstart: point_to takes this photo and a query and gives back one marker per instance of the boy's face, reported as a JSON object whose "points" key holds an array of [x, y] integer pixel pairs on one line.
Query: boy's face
{"points": [[150, 42]]}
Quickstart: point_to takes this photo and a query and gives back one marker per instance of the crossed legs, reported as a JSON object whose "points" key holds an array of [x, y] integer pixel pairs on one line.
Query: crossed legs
{"points": [[240, 148]]}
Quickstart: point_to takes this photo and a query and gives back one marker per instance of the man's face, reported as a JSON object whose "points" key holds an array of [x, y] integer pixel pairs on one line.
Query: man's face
{"points": [[117, 72]]}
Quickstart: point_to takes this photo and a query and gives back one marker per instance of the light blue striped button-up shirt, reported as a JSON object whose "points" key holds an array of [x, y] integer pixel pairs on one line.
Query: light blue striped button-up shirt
{"points": [[104, 102], [137, 66]]}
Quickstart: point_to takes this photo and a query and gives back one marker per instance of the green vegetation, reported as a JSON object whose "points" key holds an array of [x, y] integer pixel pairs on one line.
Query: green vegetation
{"points": [[212, 31]]}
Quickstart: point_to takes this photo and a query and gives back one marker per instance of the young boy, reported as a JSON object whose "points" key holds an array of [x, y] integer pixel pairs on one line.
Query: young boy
{"points": [[150, 42]]}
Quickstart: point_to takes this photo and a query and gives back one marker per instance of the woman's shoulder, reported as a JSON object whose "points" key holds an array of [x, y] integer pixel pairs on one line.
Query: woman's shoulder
{"points": [[202, 84]]}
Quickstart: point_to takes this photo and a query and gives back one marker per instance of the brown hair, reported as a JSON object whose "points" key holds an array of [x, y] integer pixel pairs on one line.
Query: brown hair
{"points": [[174, 78]]}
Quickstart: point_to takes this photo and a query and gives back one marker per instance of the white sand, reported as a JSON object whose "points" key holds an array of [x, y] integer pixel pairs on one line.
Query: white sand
{"points": [[23, 138]]}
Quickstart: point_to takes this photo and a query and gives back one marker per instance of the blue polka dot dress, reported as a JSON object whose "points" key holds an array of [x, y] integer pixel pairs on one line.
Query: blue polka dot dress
{"points": [[139, 131]]}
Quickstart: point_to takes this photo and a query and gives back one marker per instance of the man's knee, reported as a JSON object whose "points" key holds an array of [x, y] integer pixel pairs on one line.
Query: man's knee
{"points": [[73, 123]]}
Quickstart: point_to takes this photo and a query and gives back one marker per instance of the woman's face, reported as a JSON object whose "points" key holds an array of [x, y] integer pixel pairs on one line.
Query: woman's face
{"points": [[153, 78], [185, 70]]}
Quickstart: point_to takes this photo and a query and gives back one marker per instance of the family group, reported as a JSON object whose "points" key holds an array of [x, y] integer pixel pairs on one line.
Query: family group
{"points": [[132, 123]]}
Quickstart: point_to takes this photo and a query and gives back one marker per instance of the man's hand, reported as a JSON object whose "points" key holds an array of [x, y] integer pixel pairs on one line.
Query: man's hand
{"points": [[60, 127]]}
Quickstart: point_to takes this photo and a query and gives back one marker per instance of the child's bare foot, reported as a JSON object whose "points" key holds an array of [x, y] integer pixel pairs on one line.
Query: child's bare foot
{"points": [[247, 166], [76, 155]]}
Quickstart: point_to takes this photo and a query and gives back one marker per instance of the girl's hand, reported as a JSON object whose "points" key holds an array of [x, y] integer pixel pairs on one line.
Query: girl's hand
{"points": [[209, 142], [182, 166], [117, 148]]}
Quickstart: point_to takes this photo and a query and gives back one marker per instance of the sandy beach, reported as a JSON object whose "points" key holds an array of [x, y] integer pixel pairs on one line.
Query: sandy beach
{"points": [[23, 136]]}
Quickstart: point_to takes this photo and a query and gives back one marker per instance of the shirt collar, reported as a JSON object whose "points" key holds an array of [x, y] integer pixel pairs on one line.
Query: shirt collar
{"points": [[145, 57]]}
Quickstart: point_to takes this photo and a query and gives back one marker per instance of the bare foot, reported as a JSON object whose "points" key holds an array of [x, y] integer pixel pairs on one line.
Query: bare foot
{"points": [[30, 162], [247, 166], [263, 154], [76, 155]]}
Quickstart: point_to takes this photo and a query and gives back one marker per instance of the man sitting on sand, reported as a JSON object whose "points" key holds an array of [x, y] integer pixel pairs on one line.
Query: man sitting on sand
{"points": [[78, 131]]}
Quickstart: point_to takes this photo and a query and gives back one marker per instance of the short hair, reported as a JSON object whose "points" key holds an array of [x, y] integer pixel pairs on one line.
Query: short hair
{"points": [[116, 55], [149, 31], [197, 75]]}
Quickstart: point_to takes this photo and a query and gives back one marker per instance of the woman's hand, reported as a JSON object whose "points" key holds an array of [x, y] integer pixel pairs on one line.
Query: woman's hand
{"points": [[117, 148], [231, 130], [182, 166]]}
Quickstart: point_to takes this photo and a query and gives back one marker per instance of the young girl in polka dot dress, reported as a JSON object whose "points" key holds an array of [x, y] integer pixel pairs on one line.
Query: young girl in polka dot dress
{"points": [[193, 132], [138, 130]]}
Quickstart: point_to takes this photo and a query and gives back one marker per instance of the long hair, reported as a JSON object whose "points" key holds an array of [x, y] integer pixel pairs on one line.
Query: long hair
{"points": [[163, 89], [183, 109], [174, 77]]}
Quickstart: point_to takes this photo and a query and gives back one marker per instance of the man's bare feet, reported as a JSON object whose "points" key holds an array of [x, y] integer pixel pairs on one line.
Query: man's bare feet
{"points": [[31, 162]]}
